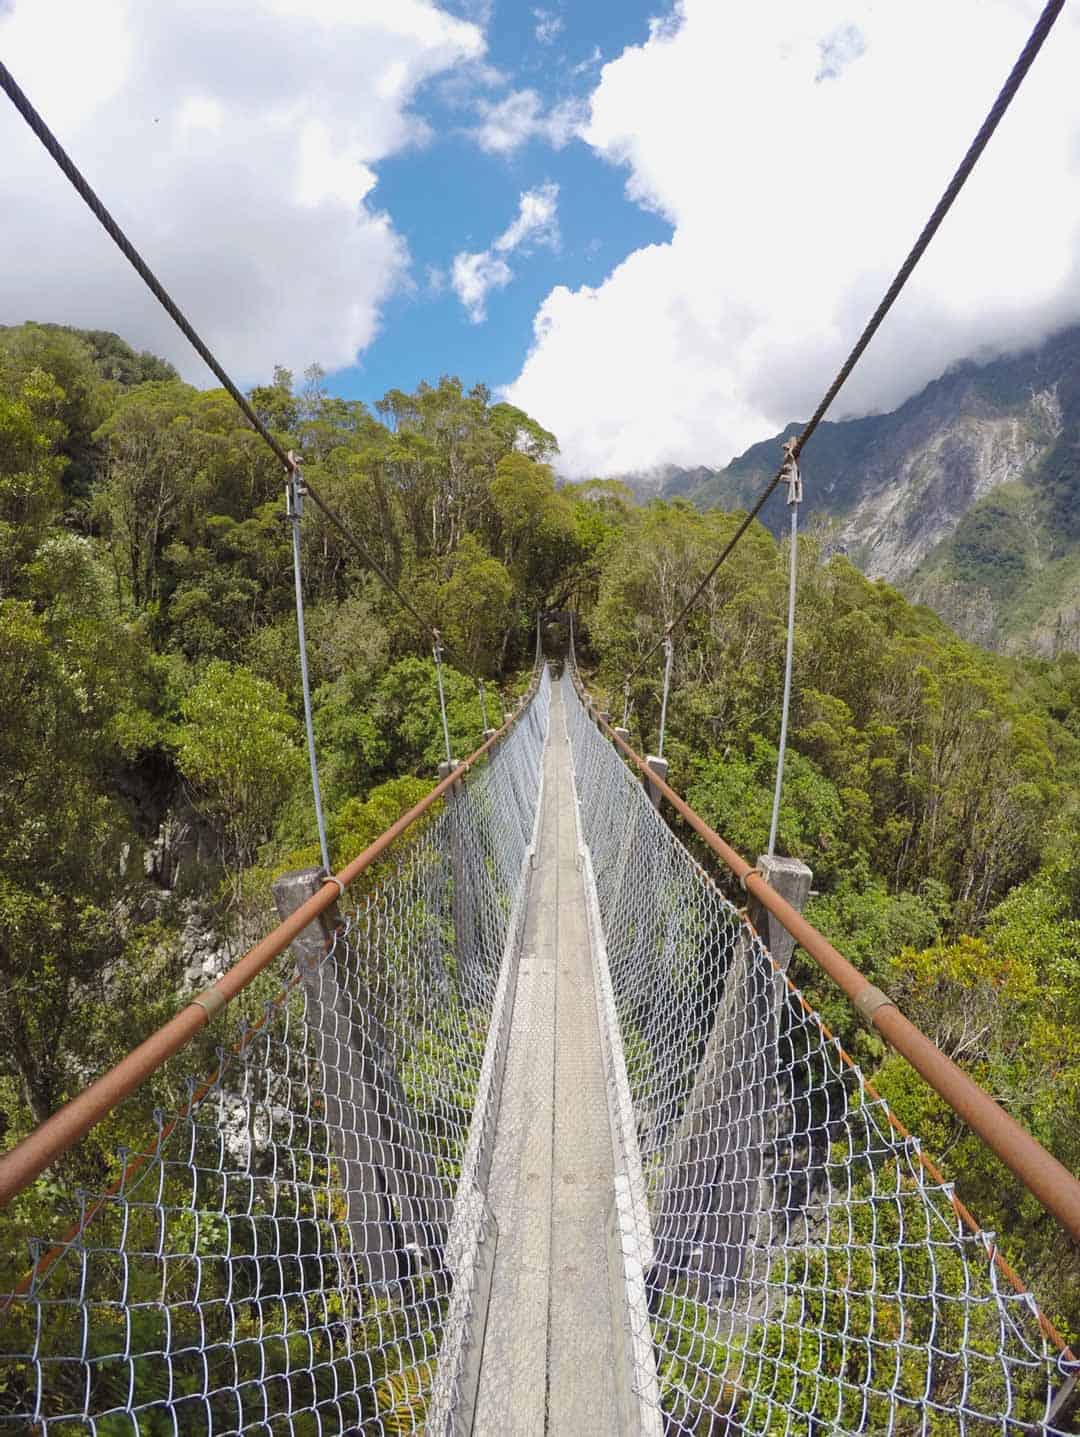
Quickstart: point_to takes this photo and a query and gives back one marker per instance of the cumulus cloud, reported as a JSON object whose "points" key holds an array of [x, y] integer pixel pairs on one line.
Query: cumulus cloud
{"points": [[237, 144], [796, 149], [474, 275], [507, 124]]}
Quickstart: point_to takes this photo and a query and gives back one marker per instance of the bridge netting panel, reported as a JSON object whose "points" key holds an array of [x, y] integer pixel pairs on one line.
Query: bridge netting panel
{"points": [[290, 1250], [804, 1273]]}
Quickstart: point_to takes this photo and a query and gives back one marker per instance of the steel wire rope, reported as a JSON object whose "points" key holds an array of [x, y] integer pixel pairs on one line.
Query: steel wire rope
{"points": [[294, 501], [437, 652], [669, 654], [1023, 64], [795, 493], [22, 103]]}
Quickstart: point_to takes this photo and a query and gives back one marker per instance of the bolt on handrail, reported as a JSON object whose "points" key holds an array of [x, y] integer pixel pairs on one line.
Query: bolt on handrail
{"points": [[59, 1133]]}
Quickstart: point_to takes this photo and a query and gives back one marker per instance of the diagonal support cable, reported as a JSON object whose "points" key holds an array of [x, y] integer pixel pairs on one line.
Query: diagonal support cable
{"points": [[22, 103]]}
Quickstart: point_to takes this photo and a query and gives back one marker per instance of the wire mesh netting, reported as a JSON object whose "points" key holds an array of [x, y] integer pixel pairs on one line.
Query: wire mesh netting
{"points": [[801, 1271], [293, 1246]]}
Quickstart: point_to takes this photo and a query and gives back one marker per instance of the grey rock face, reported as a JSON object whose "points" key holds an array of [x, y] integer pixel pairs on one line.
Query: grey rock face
{"points": [[926, 487], [894, 492]]}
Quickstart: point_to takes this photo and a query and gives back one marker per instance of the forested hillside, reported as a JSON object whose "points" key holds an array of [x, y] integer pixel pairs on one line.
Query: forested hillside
{"points": [[964, 497], [152, 775]]}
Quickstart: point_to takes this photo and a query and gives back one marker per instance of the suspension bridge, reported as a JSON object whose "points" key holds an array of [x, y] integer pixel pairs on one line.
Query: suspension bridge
{"points": [[519, 1125], [533, 1134]]}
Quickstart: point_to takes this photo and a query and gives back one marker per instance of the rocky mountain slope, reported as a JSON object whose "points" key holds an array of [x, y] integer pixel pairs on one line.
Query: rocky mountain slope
{"points": [[965, 497]]}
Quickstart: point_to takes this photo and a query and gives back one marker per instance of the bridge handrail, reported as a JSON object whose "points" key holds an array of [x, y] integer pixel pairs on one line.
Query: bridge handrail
{"points": [[1045, 1178], [59, 1133]]}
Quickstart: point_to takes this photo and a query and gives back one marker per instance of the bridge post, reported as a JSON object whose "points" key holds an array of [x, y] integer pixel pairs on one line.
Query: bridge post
{"points": [[659, 766], [791, 878], [367, 1115]]}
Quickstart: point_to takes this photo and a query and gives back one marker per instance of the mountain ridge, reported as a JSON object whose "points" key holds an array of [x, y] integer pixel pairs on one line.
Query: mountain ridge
{"points": [[962, 497]]}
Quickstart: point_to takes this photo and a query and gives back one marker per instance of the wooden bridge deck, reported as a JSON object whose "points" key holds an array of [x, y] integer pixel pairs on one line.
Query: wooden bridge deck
{"points": [[549, 1351]]}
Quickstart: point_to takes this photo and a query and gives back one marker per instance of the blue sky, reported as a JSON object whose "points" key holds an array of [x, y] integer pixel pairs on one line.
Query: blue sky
{"points": [[398, 189], [450, 196]]}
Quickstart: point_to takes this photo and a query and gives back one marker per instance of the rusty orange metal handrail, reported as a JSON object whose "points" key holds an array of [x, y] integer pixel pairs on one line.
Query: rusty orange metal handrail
{"points": [[59, 1133], [1040, 1172]]}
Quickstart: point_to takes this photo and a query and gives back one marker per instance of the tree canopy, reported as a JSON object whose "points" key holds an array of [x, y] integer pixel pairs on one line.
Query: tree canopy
{"points": [[151, 759]]}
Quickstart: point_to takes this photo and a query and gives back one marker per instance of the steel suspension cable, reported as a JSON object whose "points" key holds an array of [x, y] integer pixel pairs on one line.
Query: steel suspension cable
{"points": [[22, 103], [1007, 94], [669, 654], [294, 498], [437, 655], [794, 482]]}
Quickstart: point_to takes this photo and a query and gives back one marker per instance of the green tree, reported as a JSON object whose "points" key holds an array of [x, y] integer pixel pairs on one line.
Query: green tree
{"points": [[62, 840], [237, 746], [30, 471]]}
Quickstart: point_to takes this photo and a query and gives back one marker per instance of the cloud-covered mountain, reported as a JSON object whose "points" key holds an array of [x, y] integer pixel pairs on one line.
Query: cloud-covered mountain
{"points": [[967, 497], [795, 158]]}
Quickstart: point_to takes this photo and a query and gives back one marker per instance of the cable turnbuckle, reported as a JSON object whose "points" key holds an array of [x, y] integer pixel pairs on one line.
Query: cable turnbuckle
{"points": [[792, 475]]}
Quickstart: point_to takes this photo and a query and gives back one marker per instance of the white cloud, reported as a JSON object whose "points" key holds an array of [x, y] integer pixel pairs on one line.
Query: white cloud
{"points": [[237, 144], [507, 124], [549, 26], [536, 221], [474, 275], [796, 149]]}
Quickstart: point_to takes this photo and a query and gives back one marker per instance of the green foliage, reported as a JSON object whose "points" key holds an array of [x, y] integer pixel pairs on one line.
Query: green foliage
{"points": [[148, 662], [989, 547], [29, 470], [1005, 1006], [405, 708], [238, 747], [735, 797], [61, 837], [473, 603]]}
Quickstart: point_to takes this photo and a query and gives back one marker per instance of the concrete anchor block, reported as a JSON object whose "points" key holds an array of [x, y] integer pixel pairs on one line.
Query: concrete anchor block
{"points": [[290, 891], [791, 878], [659, 766]]}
